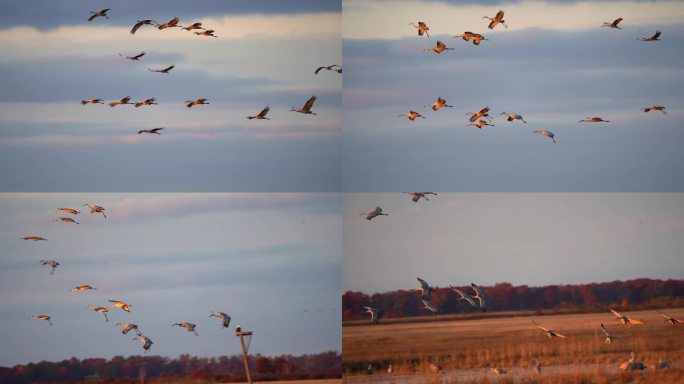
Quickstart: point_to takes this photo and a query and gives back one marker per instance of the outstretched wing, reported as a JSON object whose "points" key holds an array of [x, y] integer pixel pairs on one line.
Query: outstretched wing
{"points": [[318, 70], [656, 36], [137, 26], [616, 313], [264, 112], [500, 15], [605, 331], [309, 103]]}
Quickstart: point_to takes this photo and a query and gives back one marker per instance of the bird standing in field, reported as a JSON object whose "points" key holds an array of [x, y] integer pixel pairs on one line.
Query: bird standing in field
{"points": [[333, 67], [439, 104], [169, 24], [549, 332], [102, 310], [190, 327], [42, 317], [654, 108], [415, 196], [609, 337], [150, 101], [123, 101], [374, 213], [412, 115], [136, 57], [67, 210], [545, 133], [154, 131], [140, 23], [655, 37], [480, 124], [670, 319], [120, 304], [96, 209], [513, 116], [163, 70], [225, 319], [53, 264], [626, 320], [126, 327], [439, 48], [145, 341], [496, 20], [92, 101], [467, 36], [33, 238], [261, 115], [306, 109], [375, 314], [422, 28], [482, 113], [82, 288], [192, 103], [101, 13], [614, 24], [632, 364], [481, 297], [208, 33], [66, 220], [593, 119]]}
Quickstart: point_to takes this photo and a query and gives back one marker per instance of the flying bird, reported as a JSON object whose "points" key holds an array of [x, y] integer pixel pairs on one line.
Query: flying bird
{"points": [[513, 116], [152, 131], [593, 119], [96, 209], [145, 341], [655, 37], [466, 297], [614, 24], [626, 320], [126, 327], [422, 28], [481, 297], [545, 133], [424, 288], [306, 109], [467, 36], [192, 103], [92, 101], [481, 123], [82, 288], [193, 26], [33, 238], [66, 220], [190, 327], [412, 115], [101, 13], [225, 319], [374, 213], [53, 264], [654, 108], [375, 314], [102, 310], [549, 332], [42, 317], [151, 101], [439, 48], [415, 196], [427, 305], [670, 319], [136, 57], [164, 70], [496, 20], [171, 23], [208, 32], [334, 67], [67, 210], [484, 112], [439, 104], [609, 337], [120, 304], [125, 100], [140, 23], [261, 115]]}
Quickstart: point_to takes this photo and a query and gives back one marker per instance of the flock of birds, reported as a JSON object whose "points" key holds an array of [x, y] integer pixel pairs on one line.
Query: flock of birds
{"points": [[480, 301], [174, 23], [145, 341], [482, 118]]}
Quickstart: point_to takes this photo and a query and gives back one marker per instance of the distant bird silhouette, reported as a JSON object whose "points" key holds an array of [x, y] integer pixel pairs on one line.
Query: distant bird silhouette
{"points": [[439, 48], [82, 288], [415, 196], [225, 319], [152, 131], [375, 314], [53, 264], [261, 115], [140, 23], [190, 327], [96, 209], [467, 36], [513, 116], [545, 133], [67, 210], [439, 104], [126, 327], [496, 20], [333, 67], [150, 101], [66, 220], [145, 341], [422, 28], [412, 115], [33, 238], [192, 103], [123, 101], [101, 13], [102, 310], [594, 119], [614, 24], [374, 213], [670, 319], [655, 37], [481, 297], [193, 26], [169, 24], [549, 332], [609, 337], [42, 317], [480, 124], [654, 108], [626, 320], [208, 32], [164, 70], [92, 101], [482, 113], [120, 304], [306, 109], [136, 57]]}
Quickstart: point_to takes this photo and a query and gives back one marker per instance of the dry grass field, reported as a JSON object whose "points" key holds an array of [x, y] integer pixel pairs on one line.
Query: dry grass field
{"points": [[465, 350]]}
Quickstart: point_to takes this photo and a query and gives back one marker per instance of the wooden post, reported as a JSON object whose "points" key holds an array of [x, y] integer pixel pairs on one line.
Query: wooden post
{"points": [[239, 333], [143, 371]]}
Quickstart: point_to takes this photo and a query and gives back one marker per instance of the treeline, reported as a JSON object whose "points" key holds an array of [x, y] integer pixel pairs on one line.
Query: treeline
{"points": [[630, 294], [157, 369]]}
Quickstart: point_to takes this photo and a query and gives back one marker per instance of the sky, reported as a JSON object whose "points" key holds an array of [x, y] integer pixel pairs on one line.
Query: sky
{"points": [[265, 55], [530, 239], [270, 261], [554, 65]]}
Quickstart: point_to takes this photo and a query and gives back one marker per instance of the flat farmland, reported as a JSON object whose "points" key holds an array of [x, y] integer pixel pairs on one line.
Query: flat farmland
{"points": [[466, 350]]}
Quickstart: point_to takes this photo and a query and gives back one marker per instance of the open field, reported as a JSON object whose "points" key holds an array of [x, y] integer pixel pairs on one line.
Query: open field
{"points": [[466, 349]]}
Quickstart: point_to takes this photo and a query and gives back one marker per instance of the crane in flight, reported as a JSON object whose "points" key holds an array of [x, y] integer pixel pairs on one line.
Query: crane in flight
{"points": [[225, 319], [412, 115], [334, 67], [306, 109], [427, 305], [482, 113], [424, 288], [513, 116], [439, 104], [66, 220], [169, 24], [82, 288], [92, 101], [67, 210], [614, 24], [655, 37], [162, 70], [261, 115], [190, 327], [150, 101], [100, 13], [373, 214], [609, 337], [439, 48], [136, 57], [95, 209], [192, 103], [140, 23], [120, 304], [654, 108], [53, 264], [480, 124], [152, 131], [549, 332], [593, 119], [145, 341], [670, 319], [475, 37], [33, 238], [193, 26], [480, 296], [545, 133], [422, 28], [208, 32], [466, 297], [102, 310], [626, 320], [415, 196], [496, 20], [375, 314], [42, 317], [127, 327], [125, 100]]}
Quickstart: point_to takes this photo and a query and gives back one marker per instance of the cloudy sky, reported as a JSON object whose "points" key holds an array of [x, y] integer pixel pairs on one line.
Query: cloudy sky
{"points": [[271, 261], [520, 238], [554, 65], [265, 54]]}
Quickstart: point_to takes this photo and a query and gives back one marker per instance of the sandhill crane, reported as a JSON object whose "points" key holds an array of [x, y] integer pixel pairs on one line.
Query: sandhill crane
{"points": [[145, 341], [626, 320], [423, 287], [66, 220], [33, 238], [467, 36], [225, 319], [374, 213], [261, 115], [375, 314], [545, 133], [127, 327], [513, 116], [102, 310], [537, 367], [171, 23], [480, 295], [389, 369], [439, 48], [609, 337], [334, 67], [53, 264], [150, 101], [439, 104], [136, 57], [120, 304], [614, 24], [140, 23], [193, 26], [101, 13], [549, 332], [92, 101], [163, 70], [190, 327], [96, 209], [42, 317], [208, 32], [496, 20], [412, 115], [427, 305], [152, 131], [466, 297], [498, 371], [654, 108], [593, 119], [125, 100], [670, 319], [67, 210], [82, 288], [192, 103], [422, 28], [415, 196], [655, 37], [480, 124], [632, 364], [484, 112], [434, 368], [306, 109]]}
